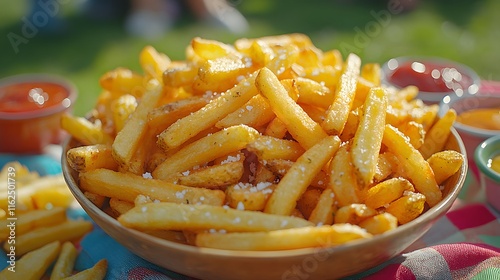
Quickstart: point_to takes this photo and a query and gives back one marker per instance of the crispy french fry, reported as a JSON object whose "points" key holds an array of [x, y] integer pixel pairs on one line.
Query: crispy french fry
{"points": [[208, 116], [249, 197], [206, 149], [296, 238], [153, 63], [120, 206], [127, 140], [337, 113], [306, 131], [416, 168], [267, 147], [408, 207], [97, 272], [85, 131], [255, 113], [123, 81], [34, 264], [415, 133], [122, 108], [436, 137], [385, 192], [109, 183], [284, 198], [354, 213], [379, 223], [212, 177], [33, 219], [308, 201], [172, 216], [445, 164], [324, 210], [368, 138], [90, 157], [67, 231], [65, 262], [342, 178], [371, 72]]}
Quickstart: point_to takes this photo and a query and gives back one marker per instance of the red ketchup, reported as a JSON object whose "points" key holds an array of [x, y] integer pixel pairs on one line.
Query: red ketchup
{"points": [[31, 96], [429, 76]]}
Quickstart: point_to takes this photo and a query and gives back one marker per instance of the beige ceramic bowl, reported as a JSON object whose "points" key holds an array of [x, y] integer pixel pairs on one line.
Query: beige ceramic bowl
{"points": [[311, 263]]}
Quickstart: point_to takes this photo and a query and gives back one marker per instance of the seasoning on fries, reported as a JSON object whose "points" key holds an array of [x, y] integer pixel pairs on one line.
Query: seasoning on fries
{"points": [[265, 144]]}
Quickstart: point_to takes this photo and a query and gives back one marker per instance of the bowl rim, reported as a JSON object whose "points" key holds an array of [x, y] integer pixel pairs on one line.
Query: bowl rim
{"points": [[433, 96], [70, 87], [431, 214], [447, 103], [481, 157]]}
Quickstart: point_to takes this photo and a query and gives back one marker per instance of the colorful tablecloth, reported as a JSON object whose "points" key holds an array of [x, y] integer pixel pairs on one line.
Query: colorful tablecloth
{"points": [[463, 244]]}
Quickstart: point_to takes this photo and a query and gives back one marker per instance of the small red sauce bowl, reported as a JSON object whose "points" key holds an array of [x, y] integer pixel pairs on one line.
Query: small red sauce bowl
{"points": [[31, 106], [435, 77]]}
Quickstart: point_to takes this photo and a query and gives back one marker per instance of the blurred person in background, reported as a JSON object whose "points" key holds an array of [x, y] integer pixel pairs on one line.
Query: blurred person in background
{"points": [[152, 18]]}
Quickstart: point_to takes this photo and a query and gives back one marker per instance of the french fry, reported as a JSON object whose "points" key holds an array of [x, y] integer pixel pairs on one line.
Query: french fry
{"points": [[97, 272], [85, 131], [276, 128], [176, 134], [416, 168], [371, 72], [407, 207], [123, 81], [249, 197], [120, 206], [255, 113], [212, 177], [415, 133], [368, 138], [63, 267], [337, 113], [299, 124], [267, 147], [121, 109], [296, 238], [153, 63], [127, 140], [172, 216], [90, 157], [387, 191], [284, 198], [33, 219], [206, 149], [323, 213], [342, 179], [67, 231], [109, 183], [354, 213], [379, 223], [308, 201], [280, 167], [34, 264], [436, 137], [445, 164], [313, 93]]}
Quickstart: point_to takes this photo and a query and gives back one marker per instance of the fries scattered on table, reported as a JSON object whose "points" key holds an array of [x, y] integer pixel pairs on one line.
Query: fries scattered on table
{"points": [[37, 233], [261, 145]]}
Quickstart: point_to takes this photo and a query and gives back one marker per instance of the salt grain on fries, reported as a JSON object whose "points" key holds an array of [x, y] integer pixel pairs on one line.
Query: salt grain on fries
{"points": [[265, 144]]}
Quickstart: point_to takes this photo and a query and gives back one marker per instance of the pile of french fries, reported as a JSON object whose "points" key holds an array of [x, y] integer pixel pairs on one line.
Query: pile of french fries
{"points": [[265, 144], [37, 233]]}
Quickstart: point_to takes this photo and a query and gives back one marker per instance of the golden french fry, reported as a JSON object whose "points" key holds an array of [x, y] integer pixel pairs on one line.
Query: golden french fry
{"points": [[96, 199], [386, 192], [379, 223], [284, 198], [368, 138], [415, 133], [34, 264], [206, 149], [416, 168], [407, 207], [179, 75], [445, 163], [30, 220], [276, 128], [306, 237], [323, 213], [153, 63], [65, 262], [123, 81], [67, 231], [255, 113], [306, 131], [337, 113], [308, 201], [212, 177], [222, 73], [249, 197], [342, 178], [385, 167], [90, 157], [120, 206], [85, 131], [354, 214], [122, 108], [313, 93], [128, 139], [97, 272], [438, 134], [267, 147], [173, 216], [109, 183], [371, 72], [229, 101], [211, 49]]}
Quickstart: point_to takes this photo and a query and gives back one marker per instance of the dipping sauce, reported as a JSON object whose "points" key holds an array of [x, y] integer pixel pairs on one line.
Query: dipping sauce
{"points": [[484, 118], [494, 163], [32, 96], [428, 76]]}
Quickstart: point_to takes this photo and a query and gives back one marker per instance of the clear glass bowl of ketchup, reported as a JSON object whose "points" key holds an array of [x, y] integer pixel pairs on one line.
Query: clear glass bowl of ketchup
{"points": [[31, 106], [434, 77]]}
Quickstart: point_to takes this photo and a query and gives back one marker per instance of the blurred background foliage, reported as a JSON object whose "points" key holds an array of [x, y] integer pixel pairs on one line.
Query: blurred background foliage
{"points": [[465, 31]]}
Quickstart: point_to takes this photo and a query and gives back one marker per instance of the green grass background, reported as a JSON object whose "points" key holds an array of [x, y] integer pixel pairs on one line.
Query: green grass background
{"points": [[465, 31]]}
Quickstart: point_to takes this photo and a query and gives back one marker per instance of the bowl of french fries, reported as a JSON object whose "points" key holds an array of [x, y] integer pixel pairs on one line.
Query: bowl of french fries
{"points": [[267, 158]]}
